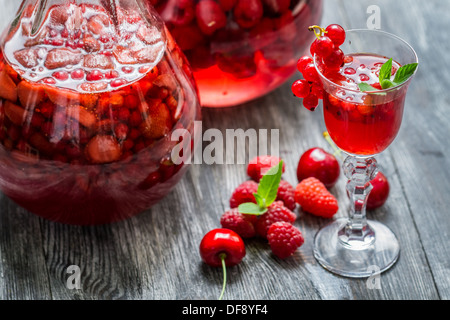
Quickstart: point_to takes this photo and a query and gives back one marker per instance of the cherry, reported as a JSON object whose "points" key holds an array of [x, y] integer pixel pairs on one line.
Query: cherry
{"points": [[301, 88], [336, 33], [247, 13], [335, 60], [320, 164], [324, 46], [222, 248], [302, 62], [379, 193], [210, 16]]}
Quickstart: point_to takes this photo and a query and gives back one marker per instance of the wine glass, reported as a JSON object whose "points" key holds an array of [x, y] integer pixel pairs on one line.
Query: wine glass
{"points": [[362, 124]]}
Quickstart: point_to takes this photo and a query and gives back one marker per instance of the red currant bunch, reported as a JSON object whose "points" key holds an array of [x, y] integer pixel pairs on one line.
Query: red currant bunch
{"points": [[325, 49]]}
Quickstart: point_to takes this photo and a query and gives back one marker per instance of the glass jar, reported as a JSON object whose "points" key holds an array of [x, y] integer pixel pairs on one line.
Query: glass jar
{"points": [[240, 49], [90, 93]]}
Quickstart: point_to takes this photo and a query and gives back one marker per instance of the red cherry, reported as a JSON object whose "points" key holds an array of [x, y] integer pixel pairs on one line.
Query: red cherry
{"points": [[379, 193], [301, 88], [320, 164], [336, 33], [222, 244], [324, 47], [247, 13], [210, 16], [222, 248], [302, 62]]}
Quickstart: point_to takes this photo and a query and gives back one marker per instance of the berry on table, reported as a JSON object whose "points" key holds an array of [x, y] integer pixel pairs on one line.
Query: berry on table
{"points": [[244, 193], [275, 212], [380, 192], [286, 193], [313, 197], [240, 223], [260, 165], [284, 239], [222, 248], [319, 164]]}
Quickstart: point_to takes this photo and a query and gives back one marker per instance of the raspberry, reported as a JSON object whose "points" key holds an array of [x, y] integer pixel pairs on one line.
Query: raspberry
{"points": [[313, 197], [240, 223], [275, 213], [286, 193], [259, 165], [284, 239], [244, 193]]}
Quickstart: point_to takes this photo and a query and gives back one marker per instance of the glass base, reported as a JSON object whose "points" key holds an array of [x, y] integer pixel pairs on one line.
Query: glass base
{"points": [[353, 259]]}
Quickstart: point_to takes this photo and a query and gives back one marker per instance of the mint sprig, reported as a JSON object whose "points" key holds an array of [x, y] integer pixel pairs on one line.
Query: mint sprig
{"points": [[402, 74], [267, 192]]}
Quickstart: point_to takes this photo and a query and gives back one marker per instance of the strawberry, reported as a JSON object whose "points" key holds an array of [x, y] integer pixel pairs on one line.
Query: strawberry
{"points": [[30, 95], [313, 197], [7, 87]]}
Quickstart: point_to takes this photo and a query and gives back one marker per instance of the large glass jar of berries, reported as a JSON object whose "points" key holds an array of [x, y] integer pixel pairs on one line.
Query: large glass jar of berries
{"points": [[90, 93], [240, 49]]}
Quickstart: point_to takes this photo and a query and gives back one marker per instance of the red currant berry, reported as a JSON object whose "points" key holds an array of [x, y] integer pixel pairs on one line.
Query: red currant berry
{"points": [[302, 62], [336, 33], [324, 47], [310, 73], [77, 74], [311, 102], [301, 88], [94, 75], [312, 49], [61, 75], [335, 60], [317, 90]]}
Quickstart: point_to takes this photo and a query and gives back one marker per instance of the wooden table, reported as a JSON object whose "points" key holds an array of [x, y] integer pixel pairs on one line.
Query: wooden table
{"points": [[155, 255]]}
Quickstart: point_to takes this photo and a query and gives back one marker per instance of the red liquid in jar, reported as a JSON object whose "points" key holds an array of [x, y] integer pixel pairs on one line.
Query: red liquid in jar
{"points": [[250, 47], [362, 124], [86, 113]]}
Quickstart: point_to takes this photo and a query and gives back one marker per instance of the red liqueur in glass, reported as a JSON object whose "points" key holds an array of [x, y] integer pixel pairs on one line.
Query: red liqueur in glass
{"points": [[362, 124]]}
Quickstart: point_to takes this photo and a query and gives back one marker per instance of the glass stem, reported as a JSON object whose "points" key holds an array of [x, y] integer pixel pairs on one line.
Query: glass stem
{"points": [[357, 234]]}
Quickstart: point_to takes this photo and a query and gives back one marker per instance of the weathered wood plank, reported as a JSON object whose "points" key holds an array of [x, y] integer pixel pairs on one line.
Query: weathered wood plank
{"points": [[155, 255]]}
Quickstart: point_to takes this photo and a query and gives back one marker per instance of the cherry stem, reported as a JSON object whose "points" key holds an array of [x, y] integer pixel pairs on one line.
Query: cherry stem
{"points": [[319, 33], [222, 257], [337, 152]]}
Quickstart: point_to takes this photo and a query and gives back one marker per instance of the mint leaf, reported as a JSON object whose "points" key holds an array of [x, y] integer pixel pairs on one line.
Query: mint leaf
{"points": [[251, 208], [386, 84], [404, 72], [363, 87], [268, 185], [386, 71], [260, 201]]}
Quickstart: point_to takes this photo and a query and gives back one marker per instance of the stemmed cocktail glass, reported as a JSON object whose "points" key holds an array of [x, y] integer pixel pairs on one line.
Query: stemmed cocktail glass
{"points": [[362, 124]]}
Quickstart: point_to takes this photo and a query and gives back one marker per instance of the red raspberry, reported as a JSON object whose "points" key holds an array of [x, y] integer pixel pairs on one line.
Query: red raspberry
{"points": [[240, 223], [275, 213], [244, 193], [313, 197], [259, 166], [284, 239], [286, 193]]}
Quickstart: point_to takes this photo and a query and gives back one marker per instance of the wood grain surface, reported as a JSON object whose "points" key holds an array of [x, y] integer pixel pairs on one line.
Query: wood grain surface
{"points": [[155, 255]]}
